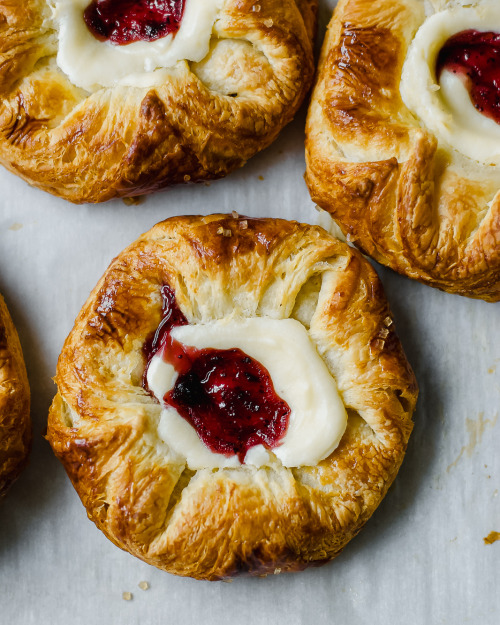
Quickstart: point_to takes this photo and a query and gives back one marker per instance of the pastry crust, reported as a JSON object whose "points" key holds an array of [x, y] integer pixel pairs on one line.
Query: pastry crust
{"points": [[208, 119], [400, 195], [15, 425], [215, 524]]}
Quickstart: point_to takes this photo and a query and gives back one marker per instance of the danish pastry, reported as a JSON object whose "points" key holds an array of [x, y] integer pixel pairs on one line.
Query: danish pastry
{"points": [[104, 98], [15, 425], [233, 397], [403, 137]]}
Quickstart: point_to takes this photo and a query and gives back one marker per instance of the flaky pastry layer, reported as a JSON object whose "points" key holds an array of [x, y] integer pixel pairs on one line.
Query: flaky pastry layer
{"points": [[212, 524], [207, 119], [401, 196], [15, 424]]}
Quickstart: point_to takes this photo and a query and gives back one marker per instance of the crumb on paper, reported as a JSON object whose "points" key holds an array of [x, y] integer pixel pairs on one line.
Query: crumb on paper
{"points": [[127, 596], [16, 226], [144, 585], [491, 538], [133, 201], [207, 184], [490, 370], [261, 177]]}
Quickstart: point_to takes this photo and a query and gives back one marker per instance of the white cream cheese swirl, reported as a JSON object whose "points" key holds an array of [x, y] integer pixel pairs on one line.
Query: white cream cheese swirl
{"points": [[300, 377], [445, 107], [90, 63]]}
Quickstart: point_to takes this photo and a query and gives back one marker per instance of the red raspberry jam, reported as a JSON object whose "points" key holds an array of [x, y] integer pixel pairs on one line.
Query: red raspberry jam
{"points": [[475, 56], [125, 21], [227, 396]]}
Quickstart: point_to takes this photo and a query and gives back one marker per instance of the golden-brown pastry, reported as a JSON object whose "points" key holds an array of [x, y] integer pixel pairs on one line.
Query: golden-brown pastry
{"points": [[124, 120], [175, 503], [15, 425], [396, 151]]}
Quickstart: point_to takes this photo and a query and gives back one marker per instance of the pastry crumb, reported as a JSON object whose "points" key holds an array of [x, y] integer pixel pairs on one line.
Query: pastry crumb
{"points": [[127, 596], [133, 201], [144, 585], [376, 345], [491, 538], [261, 177], [277, 570]]}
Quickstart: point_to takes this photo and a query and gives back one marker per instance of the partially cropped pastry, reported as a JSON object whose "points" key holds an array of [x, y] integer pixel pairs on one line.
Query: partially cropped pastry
{"points": [[403, 137], [233, 397], [15, 425], [111, 98]]}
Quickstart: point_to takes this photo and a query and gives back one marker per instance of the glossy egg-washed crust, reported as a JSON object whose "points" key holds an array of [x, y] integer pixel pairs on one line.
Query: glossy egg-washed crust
{"points": [[206, 120], [404, 199], [215, 524], [15, 425]]}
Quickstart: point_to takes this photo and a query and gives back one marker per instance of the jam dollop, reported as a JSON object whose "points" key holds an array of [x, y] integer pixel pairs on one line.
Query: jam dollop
{"points": [[224, 394], [125, 21], [475, 56]]}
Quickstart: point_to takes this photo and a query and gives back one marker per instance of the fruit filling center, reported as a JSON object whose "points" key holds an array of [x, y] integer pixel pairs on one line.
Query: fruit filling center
{"points": [[475, 57], [224, 394], [124, 21]]}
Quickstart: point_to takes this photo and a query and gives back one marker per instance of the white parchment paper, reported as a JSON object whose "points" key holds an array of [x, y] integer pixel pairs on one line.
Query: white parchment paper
{"points": [[420, 560]]}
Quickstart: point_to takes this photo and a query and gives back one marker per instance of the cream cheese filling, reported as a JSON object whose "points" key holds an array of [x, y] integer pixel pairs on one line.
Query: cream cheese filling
{"points": [[300, 377], [90, 63], [445, 107]]}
